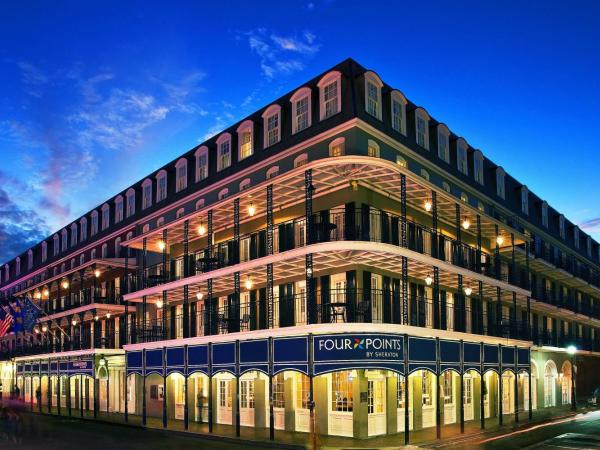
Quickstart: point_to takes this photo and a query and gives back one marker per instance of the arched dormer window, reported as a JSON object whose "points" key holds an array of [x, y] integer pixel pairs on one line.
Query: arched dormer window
{"points": [[301, 160], [182, 174], [118, 247], [62, 268], [330, 94], [105, 216], [478, 166], [422, 127], [223, 151], [244, 184], [44, 251], [161, 185], [72, 263], [373, 149], [63, 239], [524, 200], [180, 212], [443, 141], [201, 155], [500, 183], [18, 266], [337, 147], [544, 213], [461, 156], [147, 193], [93, 254], [130, 198], [271, 125], [272, 172], [74, 234], [373, 85], [398, 105], [82, 259], [118, 208], [160, 222], [576, 236], [29, 259], [145, 228], [200, 204], [104, 250], [223, 193], [245, 139], [561, 226], [55, 244], [301, 109]]}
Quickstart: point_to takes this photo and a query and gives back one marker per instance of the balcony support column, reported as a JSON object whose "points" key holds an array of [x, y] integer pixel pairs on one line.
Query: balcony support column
{"points": [[403, 241], [479, 263], [144, 262], [82, 300], [516, 369], [186, 273], [480, 317], [269, 249], [514, 327], [497, 254], [210, 387], [163, 324], [209, 304], [498, 312], [164, 380], [404, 290], [459, 306], [458, 236], [235, 304], [434, 225], [482, 388], [436, 298], [311, 297], [513, 261], [438, 391], [500, 396]]}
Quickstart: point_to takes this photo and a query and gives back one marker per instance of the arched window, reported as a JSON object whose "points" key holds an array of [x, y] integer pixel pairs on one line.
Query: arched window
{"points": [[223, 151], [461, 156], [566, 382], [500, 183], [29, 259], [373, 149], [550, 375], [201, 163], [478, 166], [82, 259], [55, 244], [464, 197], [161, 185], [561, 225], [104, 251], [300, 160], [398, 105], [373, 85], [128, 237], [44, 251], [74, 234], [401, 161], [146, 193], [18, 266], [130, 196], [160, 222], [272, 172], [301, 109], [93, 254], [422, 127], [105, 216], [181, 170], [245, 184], [330, 97], [223, 193], [118, 247], [271, 125], [524, 199], [180, 212], [63, 240], [200, 204], [145, 228], [118, 208], [245, 139], [443, 141], [425, 174], [72, 263], [336, 147], [62, 268]]}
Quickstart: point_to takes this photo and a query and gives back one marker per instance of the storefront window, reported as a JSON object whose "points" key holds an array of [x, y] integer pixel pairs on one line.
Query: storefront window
{"points": [[400, 392], [279, 391], [448, 394], [341, 390], [427, 387], [302, 392]]}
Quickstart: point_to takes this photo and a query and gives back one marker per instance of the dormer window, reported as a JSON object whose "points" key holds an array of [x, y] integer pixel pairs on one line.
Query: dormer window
{"points": [[245, 139], [94, 229], [161, 185], [18, 266], [545, 214], [181, 169], [201, 163], [55, 244], [561, 226], [29, 259], [398, 112], [330, 95], [93, 254], [478, 166], [422, 128], [74, 234], [118, 208], [44, 251], [82, 229], [104, 250], [524, 200], [443, 137], [146, 193], [301, 110], [63, 240], [373, 94], [576, 236], [500, 183], [461, 156], [272, 125], [130, 198], [105, 216], [589, 246], [224, 151]]}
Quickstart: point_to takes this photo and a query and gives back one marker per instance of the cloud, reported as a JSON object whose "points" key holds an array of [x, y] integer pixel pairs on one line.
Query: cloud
{"points": [[591, 225], [280, 54]]}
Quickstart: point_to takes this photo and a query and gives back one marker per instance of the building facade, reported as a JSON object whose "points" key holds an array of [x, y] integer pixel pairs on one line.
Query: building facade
{"points": [[338, 262]]}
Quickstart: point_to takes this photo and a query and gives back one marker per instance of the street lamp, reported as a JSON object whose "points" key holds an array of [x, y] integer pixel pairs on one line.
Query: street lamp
{"points": [[572, 350]]}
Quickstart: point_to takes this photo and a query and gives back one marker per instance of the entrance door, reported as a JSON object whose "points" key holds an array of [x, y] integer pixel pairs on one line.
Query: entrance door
{"points": [[449, 398], [224, 402], [302, 400], [247, 403], [401, 405], [507, 394], [486, 395], [178, 390], [468, 398], [300, 303], [376, 407]]}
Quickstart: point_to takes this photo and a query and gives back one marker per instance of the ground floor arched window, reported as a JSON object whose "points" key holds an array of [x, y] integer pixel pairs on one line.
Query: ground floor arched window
{"points": [[550, 375]]}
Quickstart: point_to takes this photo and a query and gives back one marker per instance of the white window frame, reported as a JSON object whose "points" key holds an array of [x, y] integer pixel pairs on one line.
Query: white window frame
{"points": [[201, 169], [300, 160], [44, 251], [223, 194], [55, 244], [118, 208], [64, 243], [94, 225], [105, 216], [324, 82], [74, 234], [181, 174], [301, 94], [373, 149], [244, 184], [462, 158], [371, 79], [271, 111], [398, 98], [545, 214], [161, 185], [576, 236], [478, 167], [147, 195], [421, 116], [443, 141], [130, 199], [524, 200], [18, 266], [337, 147], [246, 128], [272, 172], [223, 158], [501, 182]]}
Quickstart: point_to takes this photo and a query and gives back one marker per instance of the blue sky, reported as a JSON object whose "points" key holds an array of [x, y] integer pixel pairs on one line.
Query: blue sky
{"points": [[94, 95]]}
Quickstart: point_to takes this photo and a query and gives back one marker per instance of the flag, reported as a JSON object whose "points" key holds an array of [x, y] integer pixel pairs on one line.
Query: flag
{"points": [[6, 321], [30, 312], [15, 311]]}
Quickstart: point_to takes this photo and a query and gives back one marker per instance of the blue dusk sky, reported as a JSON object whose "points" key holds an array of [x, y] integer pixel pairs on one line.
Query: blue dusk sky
{"points": [[94, 95]]}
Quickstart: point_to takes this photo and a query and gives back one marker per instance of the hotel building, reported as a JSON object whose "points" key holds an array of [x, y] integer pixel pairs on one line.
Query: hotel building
{"points": [[339, 261]]}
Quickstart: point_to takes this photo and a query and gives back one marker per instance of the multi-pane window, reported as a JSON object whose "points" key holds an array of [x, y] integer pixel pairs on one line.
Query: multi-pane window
{"points": [[427, 388], [18, 266], [447, 389], [375, 397], [94, 229], [146, 194], [342, 396], [63, 240], [525, 200], [373, 99], [245, 144], [55, 245], [272, 129], [400, 392], [279, 391], [202, 165], [224, 155], [576, 237], [302, 391], [545, 214], [398, 116], [336, 148], [181, 168], [461, 158], [443, 152], [478, 167], [105, 217], [73, 235], [301, 118], [373, 149], [330, 99], [118, 209], [422, 132], [44, 251], [500, 184], [161, 186], [561, 226], [130, 203]]}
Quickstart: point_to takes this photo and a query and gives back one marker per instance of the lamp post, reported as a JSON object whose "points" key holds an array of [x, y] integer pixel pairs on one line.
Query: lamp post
{"points": [[572, 350]]}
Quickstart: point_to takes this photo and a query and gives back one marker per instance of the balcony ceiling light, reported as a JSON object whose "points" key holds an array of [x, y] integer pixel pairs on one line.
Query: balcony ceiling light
{"points": [[428, 205], [428, 280], [466, 224], [251, 209]]}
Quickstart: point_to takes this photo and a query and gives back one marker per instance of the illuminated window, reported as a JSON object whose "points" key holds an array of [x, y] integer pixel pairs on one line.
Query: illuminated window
{"points": [[279, 391], [224, 151], [301, 109], [336, 147], [373, 149], [329, 95], [181, 170], [245, 139], [398, 112], [373, 94], [201, 163], [272, 125], [342, 395], [401, 161]]}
